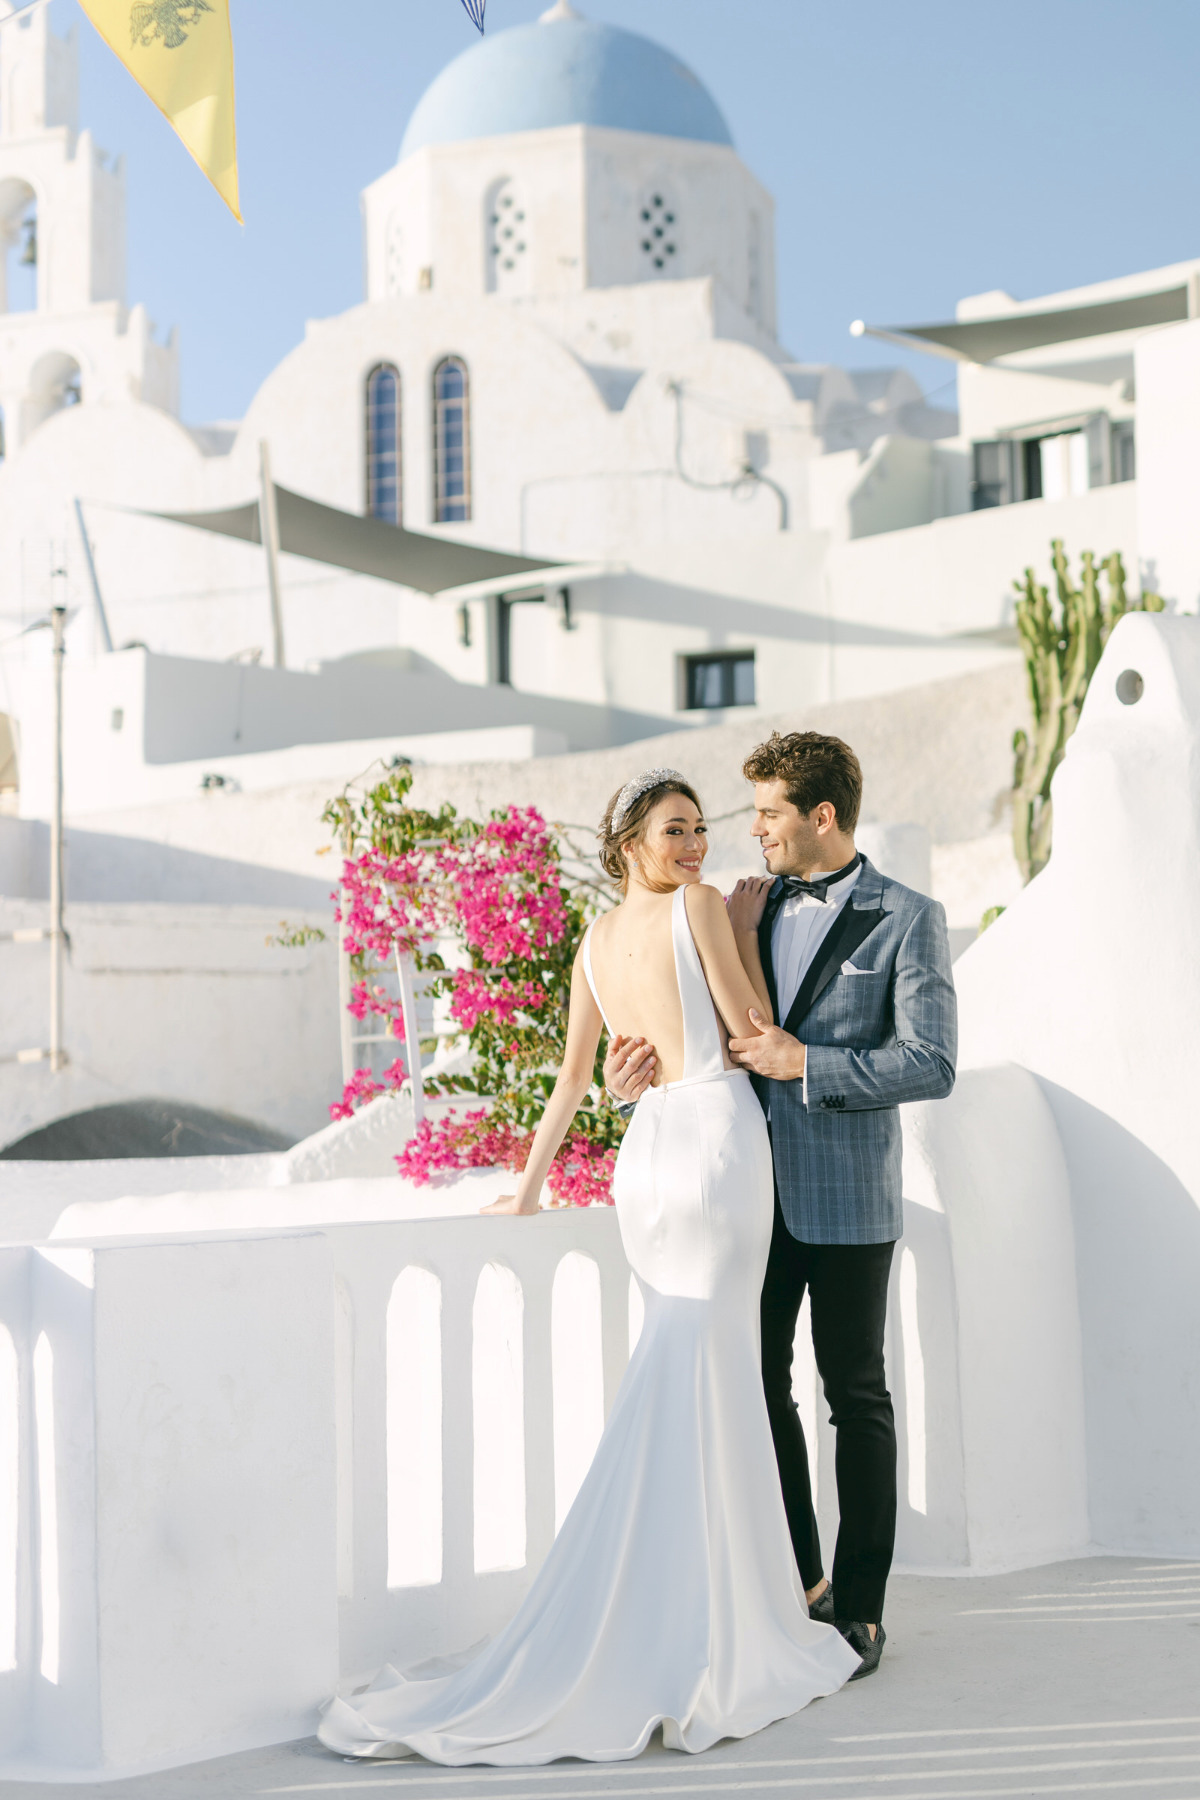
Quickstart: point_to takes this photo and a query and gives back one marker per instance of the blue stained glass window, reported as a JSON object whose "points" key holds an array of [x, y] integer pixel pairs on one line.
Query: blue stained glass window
{"points": [[383, 444], [451, 441]]}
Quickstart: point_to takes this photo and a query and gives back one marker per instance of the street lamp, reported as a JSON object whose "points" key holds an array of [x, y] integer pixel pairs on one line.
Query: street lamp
{"points": [[56, 623]]}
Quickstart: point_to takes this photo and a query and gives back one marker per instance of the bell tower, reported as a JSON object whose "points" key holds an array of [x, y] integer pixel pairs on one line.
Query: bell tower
{"points": [[62, 203], [65, 334], [39, 88]]}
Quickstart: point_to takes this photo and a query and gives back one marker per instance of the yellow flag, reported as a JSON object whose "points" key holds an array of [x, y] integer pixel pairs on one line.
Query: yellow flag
{"points": [[181, 52]]}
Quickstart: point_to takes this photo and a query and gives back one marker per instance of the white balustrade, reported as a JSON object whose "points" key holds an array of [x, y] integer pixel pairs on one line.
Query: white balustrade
{"points": [[486, 1352], [235, 1467], [578, 1376], [498, 1413]]}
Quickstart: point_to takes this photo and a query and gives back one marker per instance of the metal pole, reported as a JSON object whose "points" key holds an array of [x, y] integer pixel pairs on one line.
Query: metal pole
{"points": [[345, 1022], [268, 525], [97, 596], [58, 620], [412, 1038]]}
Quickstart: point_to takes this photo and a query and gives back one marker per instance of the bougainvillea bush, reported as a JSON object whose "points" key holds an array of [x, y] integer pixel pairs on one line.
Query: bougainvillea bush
{"points": [[495, 889]]}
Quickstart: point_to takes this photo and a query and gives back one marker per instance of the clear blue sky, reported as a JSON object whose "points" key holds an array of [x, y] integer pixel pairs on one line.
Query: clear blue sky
{"points": [[916, 153]]}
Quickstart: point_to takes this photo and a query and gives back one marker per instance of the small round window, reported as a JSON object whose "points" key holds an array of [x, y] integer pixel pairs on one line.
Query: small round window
{"points": [[1130, 687], [658, 233], [507, 240]]}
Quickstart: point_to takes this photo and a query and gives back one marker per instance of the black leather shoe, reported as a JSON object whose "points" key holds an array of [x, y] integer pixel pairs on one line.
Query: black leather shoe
{"points": [[821, 1609], [860, 1640]]}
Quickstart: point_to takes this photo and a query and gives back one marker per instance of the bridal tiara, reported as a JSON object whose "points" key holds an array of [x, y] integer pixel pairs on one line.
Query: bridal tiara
{"points": [[633, 790]]}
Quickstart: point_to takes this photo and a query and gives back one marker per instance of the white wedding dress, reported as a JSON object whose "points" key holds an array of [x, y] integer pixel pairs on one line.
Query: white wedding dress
{"points": [[670, 1596]]}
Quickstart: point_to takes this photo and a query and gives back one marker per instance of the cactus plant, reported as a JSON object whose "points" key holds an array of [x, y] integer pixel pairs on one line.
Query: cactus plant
{"points": [[1062, 648]]}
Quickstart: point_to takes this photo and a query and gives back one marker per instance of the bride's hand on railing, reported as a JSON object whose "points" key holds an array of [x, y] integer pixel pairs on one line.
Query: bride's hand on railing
{"points": [[514, 1204]]}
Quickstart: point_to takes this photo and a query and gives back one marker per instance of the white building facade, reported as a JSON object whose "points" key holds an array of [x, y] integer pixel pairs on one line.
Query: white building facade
{"points": [[567, 349]]}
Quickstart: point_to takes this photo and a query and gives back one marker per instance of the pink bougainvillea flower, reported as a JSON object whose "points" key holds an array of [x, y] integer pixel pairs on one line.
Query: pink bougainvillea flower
{"points": [[490, 894]]}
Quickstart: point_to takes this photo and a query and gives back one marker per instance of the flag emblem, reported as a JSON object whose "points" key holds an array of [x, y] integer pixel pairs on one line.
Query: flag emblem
{"points": [[165, 19], [180, 52]]}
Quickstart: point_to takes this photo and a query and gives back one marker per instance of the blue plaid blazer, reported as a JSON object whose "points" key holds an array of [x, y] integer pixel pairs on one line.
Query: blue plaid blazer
{"points": [[875, 1039]]}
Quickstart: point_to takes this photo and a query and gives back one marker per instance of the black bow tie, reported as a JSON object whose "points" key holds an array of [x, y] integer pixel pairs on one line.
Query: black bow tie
{"points": [[793, 885]]}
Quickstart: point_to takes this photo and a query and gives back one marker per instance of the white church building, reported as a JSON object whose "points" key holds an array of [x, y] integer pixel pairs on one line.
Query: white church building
{"points": [[567, 351], [553, 488]]}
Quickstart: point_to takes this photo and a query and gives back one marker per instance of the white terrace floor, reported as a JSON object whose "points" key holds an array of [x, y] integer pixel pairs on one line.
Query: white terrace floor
{"points": [[1079, 1678]]}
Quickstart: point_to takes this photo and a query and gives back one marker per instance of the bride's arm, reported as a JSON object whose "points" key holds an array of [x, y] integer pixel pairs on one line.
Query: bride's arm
{"points": [[574, 1079], [744, 909], [732, 968]]}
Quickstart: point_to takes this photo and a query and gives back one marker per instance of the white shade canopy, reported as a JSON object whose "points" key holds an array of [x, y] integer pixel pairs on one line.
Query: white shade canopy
{"points": [[367, 546]]}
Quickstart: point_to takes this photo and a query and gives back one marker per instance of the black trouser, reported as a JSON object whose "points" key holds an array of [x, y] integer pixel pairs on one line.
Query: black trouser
{"points": [[848, 1285]]}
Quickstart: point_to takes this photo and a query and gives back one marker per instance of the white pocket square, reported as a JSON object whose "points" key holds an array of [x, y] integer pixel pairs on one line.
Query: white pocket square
{"points": [[848, 968]]}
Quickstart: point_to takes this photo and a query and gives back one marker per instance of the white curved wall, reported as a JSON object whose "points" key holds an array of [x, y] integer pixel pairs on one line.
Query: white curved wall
{"points": [[1091, 980]]}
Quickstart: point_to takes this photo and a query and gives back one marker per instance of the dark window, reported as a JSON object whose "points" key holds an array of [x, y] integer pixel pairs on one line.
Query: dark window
{"points": [[711, 681], [504, 612], [992, 474], [1031, 458], [383, 444], [451, 441], [1124, 461]]}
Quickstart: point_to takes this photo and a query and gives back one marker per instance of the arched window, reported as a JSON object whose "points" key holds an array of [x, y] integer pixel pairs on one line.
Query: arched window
{"points": [[383, 444], [19, 235], [55, 382], [451, 442]]}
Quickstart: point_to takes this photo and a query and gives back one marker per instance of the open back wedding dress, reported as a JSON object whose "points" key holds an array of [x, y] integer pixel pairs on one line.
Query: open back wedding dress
{"points": [[670, 1595]]}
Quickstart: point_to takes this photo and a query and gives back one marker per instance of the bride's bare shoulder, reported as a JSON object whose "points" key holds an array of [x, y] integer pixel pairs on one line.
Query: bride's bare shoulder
{"points": [[703, 900], [600, 925]]}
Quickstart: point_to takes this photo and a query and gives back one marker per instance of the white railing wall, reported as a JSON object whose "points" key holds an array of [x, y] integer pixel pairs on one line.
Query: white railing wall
{"points": [[250, 1465], [445, 1376], [166, 1574]]}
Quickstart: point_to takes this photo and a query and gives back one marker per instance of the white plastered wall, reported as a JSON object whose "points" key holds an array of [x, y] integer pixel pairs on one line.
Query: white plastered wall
{"points": [[1091, 981], [1168, 382], [582, 190]]}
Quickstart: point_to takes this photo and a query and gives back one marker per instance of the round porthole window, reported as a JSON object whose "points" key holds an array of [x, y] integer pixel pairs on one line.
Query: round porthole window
{"points": [[1130, 687]]}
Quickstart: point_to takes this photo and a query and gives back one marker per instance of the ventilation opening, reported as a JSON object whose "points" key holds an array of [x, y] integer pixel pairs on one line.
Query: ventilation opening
{"points": [[507, 240], [658, 228]]}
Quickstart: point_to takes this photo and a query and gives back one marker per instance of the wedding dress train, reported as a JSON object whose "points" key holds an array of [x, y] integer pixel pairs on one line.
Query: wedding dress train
{"points": [[670, 1595]]}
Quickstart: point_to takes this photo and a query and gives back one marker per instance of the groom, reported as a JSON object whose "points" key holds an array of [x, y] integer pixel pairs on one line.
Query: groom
{"points": [[858, 969]]}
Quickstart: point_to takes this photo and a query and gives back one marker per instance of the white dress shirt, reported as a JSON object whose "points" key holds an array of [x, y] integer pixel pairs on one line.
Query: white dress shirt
{"points": [[801, 926]]}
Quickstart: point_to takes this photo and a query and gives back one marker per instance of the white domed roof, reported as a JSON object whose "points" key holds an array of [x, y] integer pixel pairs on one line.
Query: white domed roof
{"points": [[564, 70]]}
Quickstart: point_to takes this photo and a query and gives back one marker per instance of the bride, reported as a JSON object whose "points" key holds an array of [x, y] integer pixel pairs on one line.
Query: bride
{"points": [[670, 1596]]}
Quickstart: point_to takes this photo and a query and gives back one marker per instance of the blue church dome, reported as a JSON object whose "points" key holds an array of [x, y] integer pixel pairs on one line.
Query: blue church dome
{"points": [[564, 70]]}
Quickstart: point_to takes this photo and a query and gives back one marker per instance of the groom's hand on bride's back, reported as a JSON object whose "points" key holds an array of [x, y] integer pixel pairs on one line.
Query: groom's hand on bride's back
{"points": [[629, 1068]]}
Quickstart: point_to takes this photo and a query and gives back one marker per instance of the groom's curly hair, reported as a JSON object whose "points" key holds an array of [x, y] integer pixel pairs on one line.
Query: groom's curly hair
{"points": [[813, 768]]}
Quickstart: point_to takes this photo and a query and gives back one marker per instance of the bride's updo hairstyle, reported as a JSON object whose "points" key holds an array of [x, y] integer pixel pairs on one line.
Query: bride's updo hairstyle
{"points": [[625, 816]]}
